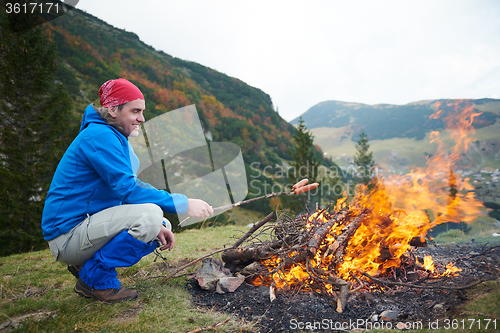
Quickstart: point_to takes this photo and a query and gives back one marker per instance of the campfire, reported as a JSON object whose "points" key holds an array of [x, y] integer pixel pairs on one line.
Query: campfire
{"points": [[362, 253], [357, 244]]}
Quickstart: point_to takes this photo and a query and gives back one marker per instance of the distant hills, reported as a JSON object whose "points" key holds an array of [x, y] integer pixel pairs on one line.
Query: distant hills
{"points": [[90, 52], [386, 121], [398, 133]]}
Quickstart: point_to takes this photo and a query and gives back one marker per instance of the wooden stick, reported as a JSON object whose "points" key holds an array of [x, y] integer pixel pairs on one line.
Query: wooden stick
{"points": [[253, 229], [209, 327], [361, 284], [242, 203], [350, 230], [334, 280], [432, 241], [298, 188], [320, 234], [389, 283], [250, 254]]}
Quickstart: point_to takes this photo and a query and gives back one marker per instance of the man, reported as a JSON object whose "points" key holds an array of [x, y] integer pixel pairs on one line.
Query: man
{"points": [[97, 214]]}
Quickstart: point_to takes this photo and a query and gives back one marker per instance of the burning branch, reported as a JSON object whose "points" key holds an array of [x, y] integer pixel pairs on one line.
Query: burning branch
{"points": [[409, 285], [320, 234]]}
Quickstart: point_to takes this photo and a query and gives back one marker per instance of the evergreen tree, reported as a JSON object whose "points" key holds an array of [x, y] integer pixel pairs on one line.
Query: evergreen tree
{"points": [[304, 165], [364, 159], [34, 111]]}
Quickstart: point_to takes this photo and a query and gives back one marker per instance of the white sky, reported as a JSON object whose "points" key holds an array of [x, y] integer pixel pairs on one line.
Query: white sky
{"points": [[305, 52]]}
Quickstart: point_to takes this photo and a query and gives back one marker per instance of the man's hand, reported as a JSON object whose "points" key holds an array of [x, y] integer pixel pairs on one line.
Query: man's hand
{"points": [[166, 238], [199, 208]]}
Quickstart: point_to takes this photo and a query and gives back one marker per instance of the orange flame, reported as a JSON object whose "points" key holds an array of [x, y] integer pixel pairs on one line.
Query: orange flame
{"points": [[429, 264], [451, 270], [402, 207]]}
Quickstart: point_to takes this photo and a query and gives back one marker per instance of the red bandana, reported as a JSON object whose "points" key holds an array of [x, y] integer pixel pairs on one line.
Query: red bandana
{"points": [[117, 92]]}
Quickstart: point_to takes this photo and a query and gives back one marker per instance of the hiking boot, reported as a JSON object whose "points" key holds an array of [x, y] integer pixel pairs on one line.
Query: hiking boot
{"points": [[75, 270], [104, 295]]}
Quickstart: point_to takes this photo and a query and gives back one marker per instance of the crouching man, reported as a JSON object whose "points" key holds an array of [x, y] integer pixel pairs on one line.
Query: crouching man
{"points": [[96, 217]]}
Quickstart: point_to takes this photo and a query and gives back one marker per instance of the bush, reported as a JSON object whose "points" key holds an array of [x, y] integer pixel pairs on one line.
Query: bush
{"points": [[494, 214], [449, 236]]}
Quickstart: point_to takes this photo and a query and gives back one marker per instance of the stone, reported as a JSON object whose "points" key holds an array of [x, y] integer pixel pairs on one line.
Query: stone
{"points": [[209, 273], [389, 315], [229, 284], [253, 268]]}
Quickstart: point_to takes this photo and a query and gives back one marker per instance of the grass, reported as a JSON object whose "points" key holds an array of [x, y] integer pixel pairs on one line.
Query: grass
{"points": [[34, 284], [36, 293], [480, 231]]}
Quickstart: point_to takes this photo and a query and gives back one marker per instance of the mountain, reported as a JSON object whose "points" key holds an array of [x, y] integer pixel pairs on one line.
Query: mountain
{"points": [[386, 121], [399, 134], [90, 52]]}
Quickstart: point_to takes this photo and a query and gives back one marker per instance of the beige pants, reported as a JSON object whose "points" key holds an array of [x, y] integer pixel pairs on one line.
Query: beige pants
{"points": [[143, 222]]}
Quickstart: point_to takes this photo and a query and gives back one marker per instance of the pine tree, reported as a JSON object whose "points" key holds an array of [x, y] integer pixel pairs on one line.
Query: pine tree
{"points": [[305, 162], [34, 111], [364, 159]]}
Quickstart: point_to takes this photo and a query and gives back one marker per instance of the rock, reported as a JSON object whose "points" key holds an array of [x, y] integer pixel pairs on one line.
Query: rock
{"points": [[439, 306], [253, 268], [209, 273], [389, 315], [229, 284]]}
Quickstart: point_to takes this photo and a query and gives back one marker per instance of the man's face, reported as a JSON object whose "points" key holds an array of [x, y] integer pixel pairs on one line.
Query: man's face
{"points": [[129, 117]]}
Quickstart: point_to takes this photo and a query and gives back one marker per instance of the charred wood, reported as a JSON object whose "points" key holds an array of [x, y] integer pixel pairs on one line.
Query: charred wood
{"points": [[320, 234], [347, 234], [418, 242], [247, 255]]}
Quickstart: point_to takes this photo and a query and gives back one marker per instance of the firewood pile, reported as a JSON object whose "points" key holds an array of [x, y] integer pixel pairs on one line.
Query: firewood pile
{"points": [[311, 252]]}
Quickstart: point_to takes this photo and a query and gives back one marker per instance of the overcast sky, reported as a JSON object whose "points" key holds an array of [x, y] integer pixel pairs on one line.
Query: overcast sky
{"points": [[305, 52]]}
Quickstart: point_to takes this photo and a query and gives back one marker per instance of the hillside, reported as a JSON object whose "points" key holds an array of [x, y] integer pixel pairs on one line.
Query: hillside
{"points": [[90, 52], [387, 121], [399, 134]]}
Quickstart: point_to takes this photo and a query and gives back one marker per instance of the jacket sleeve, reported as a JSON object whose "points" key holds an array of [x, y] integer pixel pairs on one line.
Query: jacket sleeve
{"points": [[108, 154]]}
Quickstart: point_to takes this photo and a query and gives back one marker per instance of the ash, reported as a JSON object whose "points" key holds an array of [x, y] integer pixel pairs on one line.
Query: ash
{"points": [[383, 306]]}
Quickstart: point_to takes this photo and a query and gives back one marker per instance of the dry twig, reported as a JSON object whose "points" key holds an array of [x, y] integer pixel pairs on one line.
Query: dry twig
{"points": [[409, 285], [209, 327]]}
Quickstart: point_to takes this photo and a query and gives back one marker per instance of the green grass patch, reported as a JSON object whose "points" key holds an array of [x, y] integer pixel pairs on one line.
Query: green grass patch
{"points": [[479, 232], [36, 293]]}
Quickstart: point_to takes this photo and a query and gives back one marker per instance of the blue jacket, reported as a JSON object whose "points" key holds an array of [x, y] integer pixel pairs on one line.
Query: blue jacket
{"points": [[95, 173]]}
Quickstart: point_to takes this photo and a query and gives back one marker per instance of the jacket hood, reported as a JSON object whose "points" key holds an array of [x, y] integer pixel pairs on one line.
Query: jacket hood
{"points": [[91, 116]]}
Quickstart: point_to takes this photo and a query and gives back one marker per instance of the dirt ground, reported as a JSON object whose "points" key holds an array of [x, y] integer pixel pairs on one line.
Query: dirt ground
{"points": [[382, 307]]}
